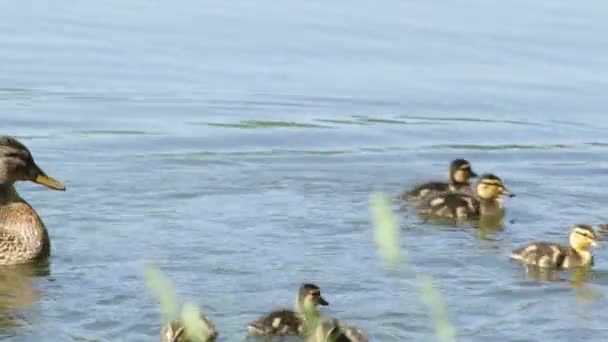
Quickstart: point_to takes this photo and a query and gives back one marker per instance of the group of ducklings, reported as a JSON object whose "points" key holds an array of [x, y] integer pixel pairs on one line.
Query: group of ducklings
{"points": [[305, 321], [24, 239], [455, 199]]}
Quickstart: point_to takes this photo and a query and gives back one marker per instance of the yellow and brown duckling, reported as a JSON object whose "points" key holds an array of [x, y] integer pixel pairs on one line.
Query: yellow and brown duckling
{"points": [[455, 205], [284, 322], [23, 235], [552, 255], [175, 331], [331, 330], [460, 177]]}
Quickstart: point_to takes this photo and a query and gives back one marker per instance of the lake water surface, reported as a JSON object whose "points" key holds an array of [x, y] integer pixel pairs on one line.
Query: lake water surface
{"points": [[236, 144]]}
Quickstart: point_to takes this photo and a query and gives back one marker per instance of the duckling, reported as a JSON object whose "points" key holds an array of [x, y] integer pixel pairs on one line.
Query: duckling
{"points": [[288, 322], [23, 235], [460, 175], [464, 206], [330, 330], [175, 331], [551, 255]]}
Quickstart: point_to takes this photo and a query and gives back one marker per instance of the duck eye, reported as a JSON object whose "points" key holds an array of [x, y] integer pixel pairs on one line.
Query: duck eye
{"points": [[585, 235]]}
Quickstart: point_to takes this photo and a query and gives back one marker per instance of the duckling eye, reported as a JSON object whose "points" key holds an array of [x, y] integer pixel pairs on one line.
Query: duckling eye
{"points": [[13, 155], [585, 235]]}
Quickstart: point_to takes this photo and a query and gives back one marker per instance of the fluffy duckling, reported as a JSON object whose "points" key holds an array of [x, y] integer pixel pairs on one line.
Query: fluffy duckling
{"points": [[23, 235], [330, 330], [464, 206], [460, 175], [175, 331], [551, 255], [290, 322]]}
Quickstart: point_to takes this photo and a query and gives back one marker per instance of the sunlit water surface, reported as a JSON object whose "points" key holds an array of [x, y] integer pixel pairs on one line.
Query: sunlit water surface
{"points": [[237, 143]]}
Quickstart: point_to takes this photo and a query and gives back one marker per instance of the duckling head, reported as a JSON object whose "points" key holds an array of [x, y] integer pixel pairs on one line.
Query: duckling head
{"points": [[309, 297], [489, 187], [17, 164], [582, 237], [461, 171]]}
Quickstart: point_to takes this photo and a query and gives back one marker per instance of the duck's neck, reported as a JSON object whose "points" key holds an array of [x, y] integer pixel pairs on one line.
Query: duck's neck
{"points": [[307, 312], [490, 206], [585, 255], [8, 194]]}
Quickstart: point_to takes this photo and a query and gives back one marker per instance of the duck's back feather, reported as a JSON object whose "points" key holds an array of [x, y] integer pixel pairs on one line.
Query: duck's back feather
{"points": [[277, 323], [450, 205], [544, 254]]}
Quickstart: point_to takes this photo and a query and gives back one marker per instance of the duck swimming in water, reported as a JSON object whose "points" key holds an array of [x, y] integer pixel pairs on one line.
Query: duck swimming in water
{"points": [[23, 235], [289, 322], [460, 176], [552, 255], [454, 205]]}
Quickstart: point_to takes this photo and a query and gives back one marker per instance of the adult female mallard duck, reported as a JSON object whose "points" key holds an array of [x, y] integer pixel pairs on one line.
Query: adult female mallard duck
{"points": [[456, 205], [289, 322], [460, 176], [175, 331], [23, 236], [552, 255], [331, 330]]}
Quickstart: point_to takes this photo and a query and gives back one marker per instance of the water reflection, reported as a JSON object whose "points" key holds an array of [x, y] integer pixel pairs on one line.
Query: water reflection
{"points": [[490, 225], [18, 293]]}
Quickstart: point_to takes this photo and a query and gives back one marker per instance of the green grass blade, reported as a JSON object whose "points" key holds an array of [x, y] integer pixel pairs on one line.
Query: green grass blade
{"points": [[386, 230], [162, 288]]}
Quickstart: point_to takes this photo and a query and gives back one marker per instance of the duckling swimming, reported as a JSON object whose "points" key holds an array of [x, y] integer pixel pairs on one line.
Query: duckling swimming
{"points": [[23, 235], [289, 322], [552, 255], [330, 330], [460, 175], [464, 206], [175, 331]]}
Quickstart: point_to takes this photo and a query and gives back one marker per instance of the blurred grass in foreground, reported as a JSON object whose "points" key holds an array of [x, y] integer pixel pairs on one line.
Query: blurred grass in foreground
{"points": [[387, 236], [162, 288]]}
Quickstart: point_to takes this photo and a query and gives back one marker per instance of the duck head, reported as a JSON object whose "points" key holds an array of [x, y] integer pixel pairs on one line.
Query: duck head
{"points": [[17, 164]]}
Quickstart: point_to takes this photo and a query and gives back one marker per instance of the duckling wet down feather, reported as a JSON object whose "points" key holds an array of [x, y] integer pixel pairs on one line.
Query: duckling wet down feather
{"points": [[454, 205], [296, 322], [331, 330], [552, 255], [460, 176], [175, 331], [23, 235]]}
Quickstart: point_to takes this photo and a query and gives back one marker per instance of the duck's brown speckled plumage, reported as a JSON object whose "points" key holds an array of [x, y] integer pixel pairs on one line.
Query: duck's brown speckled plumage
{"points": [[174, 331], [284, 322], [23, 235], [553, 255], [456, 205], [460, 174]]}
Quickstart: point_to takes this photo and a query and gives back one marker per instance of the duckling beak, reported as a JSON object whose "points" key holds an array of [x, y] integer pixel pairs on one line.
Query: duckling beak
{"points": [[474, 174], [48, 181], [322, 301], [507, 192], [595, 244]]}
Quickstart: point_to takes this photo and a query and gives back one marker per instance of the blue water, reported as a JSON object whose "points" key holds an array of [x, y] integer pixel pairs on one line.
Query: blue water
{"points": [[236, 145]]}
